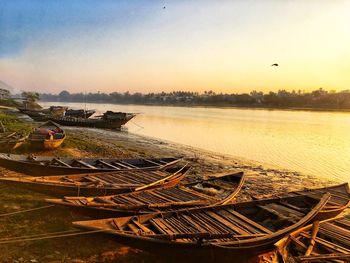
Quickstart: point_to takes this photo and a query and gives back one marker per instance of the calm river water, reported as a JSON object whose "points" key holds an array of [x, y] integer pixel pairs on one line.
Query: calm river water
{"points": [[316, 143]]}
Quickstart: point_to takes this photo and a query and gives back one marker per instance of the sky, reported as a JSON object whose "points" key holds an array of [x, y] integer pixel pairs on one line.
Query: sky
{"points": [[162, 45]]}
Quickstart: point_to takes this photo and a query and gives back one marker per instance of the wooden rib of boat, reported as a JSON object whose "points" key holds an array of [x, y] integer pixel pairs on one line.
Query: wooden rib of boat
{"points": [[97, 184], [340, 199], [243, 228], [216, 190], [48, 165], [325, 241], [47, 136]]}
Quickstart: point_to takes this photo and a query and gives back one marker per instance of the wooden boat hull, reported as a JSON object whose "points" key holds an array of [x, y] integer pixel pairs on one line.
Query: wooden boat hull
{"points": [[46, 144], [47, 136], [79, 113], [331, 237], [90, 123], [20, 163], [171, 190], [64, 189], [242, 247], [340, 199]]}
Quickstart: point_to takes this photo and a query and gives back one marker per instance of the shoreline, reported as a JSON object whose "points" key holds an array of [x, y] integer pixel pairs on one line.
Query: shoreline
{"points": [[250, 107], [262, 180]]}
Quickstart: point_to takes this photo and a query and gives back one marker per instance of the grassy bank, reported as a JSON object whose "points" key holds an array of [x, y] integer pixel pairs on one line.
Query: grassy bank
{"points": [[12, 123]]}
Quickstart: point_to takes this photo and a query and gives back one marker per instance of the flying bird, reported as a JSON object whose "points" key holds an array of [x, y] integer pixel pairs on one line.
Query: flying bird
{"points": [[274, 65], [163, 7]]}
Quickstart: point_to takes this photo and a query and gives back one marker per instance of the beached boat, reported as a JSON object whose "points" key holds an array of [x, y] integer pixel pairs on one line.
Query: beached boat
{"points": [[79, 113], [325, 241], [242, 229], [340, 199], [10, 140], [36, 115], [48, 165], [98, 184], [216, 190], [40, 115], [109, 120], [47, 136]]}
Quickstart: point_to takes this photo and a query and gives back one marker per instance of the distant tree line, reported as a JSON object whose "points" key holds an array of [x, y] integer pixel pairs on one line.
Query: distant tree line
{"points": [[319, 98]]}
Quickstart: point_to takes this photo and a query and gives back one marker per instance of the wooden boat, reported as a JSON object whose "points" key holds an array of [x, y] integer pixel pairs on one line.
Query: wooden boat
{"points": [[216, 190], [48, 165], [109, 120], [242, 229], [79, 113], [325, 241], [36, 115], [10, 140], [98, 183], [340, 199], [40, 115], [47, 136]]}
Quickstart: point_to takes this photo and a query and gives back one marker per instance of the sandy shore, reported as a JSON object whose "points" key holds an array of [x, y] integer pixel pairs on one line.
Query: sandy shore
{"points": [[262, 180], [271, 180]]}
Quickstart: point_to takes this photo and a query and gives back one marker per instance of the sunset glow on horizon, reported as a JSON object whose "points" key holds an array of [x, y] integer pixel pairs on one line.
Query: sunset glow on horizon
{"points": [[139, 46]]}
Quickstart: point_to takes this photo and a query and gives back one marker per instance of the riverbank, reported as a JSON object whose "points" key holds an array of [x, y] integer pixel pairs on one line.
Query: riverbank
{"points": [[262, 180]]}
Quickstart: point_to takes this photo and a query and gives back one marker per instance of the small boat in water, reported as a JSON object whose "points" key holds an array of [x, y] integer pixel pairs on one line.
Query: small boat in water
{"points": [[48, 165], [47, 136], [325, 241], [213, 232], [96, 184], [216, 190]]}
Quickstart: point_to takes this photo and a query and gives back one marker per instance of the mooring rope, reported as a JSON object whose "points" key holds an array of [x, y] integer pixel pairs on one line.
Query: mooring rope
{"points": [[48, 236], [26, 210], [137, 125], [38, 235]]}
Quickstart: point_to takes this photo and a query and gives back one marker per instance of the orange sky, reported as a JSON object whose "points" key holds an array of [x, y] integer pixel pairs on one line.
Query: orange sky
{"points": [[225, 46]]}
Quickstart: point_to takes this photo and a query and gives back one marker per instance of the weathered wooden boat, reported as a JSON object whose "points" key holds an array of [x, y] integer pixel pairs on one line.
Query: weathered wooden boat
{"points": [[109, 120], [36, 115], [97, 184], [79, 113], [340, 199], [47, 136], [41, 114], [216, 190], [48, 165], [325, 241], [241, 229]]}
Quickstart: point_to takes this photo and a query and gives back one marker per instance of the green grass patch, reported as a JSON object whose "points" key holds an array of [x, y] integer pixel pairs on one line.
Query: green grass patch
{"points": [[12, 123]]}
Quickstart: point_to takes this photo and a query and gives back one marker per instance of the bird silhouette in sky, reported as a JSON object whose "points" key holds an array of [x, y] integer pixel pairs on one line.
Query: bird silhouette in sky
{"points": [[164, 7], [274, 65]]}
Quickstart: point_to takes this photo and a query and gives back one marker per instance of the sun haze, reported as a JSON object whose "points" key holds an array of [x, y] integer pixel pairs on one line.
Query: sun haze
{"points": [[152, 46]]}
